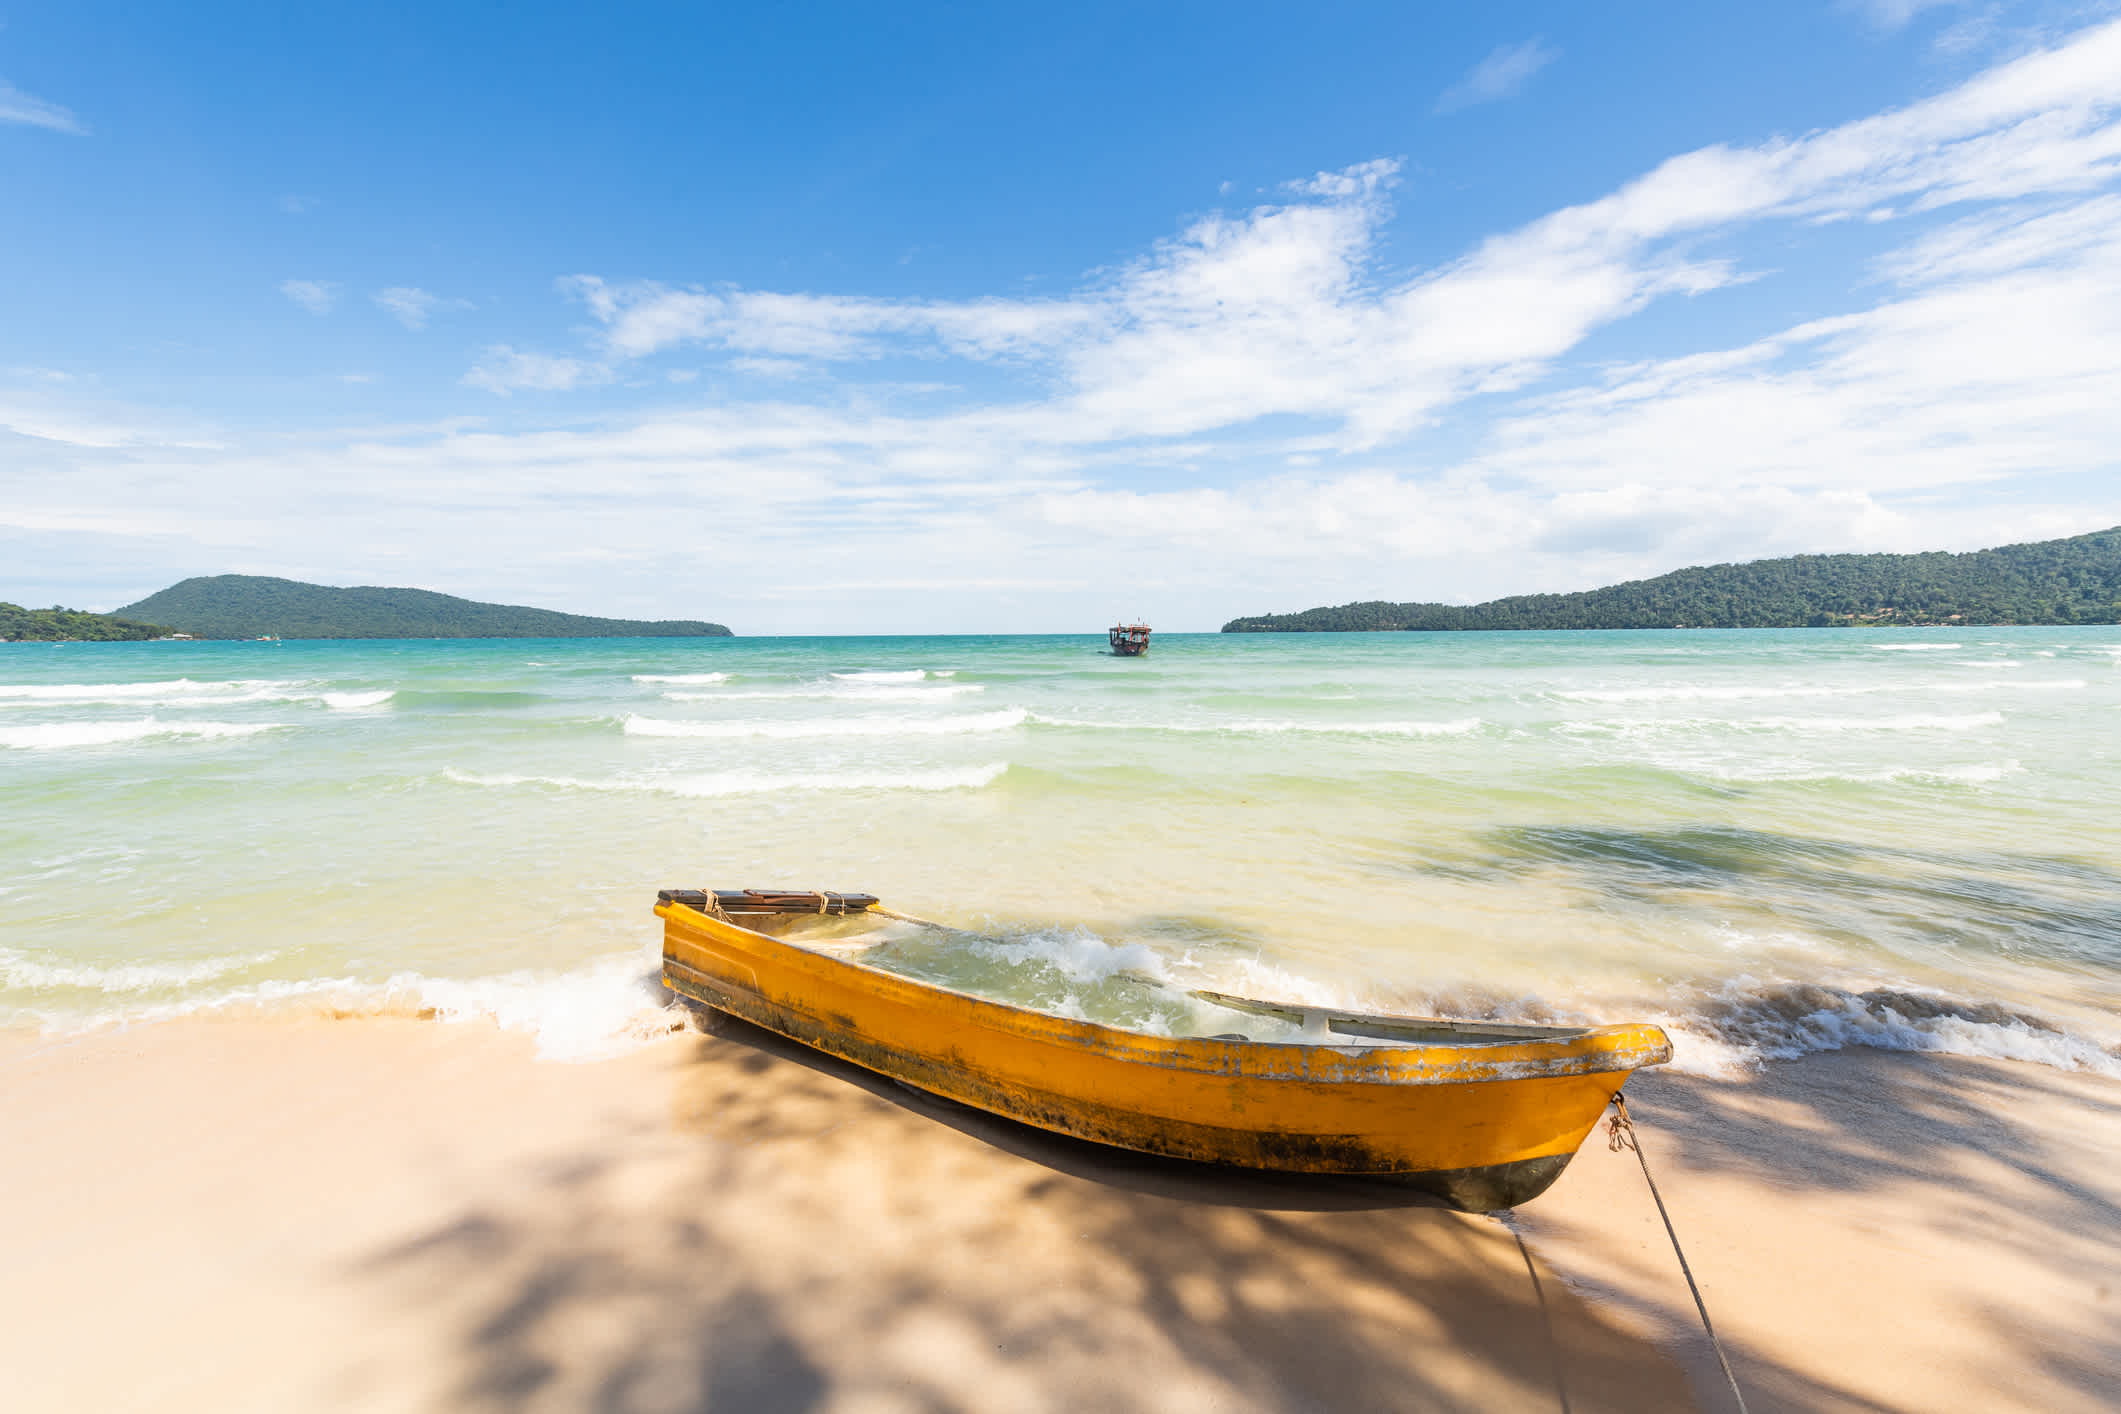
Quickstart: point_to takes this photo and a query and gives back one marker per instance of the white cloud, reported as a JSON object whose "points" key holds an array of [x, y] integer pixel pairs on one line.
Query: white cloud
{"points": [[1960, 396], [1282, 311], [1503, 74], [503, 370], [26, 108], [412, 306], [297, 205], [644, 318], [316, 296]]}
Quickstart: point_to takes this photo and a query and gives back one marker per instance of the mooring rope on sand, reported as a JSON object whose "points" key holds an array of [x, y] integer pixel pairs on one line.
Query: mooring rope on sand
{"points": [[1620, 1131]]}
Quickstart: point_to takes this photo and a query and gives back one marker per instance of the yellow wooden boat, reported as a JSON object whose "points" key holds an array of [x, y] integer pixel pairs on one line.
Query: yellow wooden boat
{"points": [[1484, 1115]]}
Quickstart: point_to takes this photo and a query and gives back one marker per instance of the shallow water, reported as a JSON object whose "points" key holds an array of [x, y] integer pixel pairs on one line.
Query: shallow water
{"points": [[1774, 841]]}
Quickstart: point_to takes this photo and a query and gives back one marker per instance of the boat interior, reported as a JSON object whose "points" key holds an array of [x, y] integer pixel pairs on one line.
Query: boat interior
{"points": [[848, 924]]}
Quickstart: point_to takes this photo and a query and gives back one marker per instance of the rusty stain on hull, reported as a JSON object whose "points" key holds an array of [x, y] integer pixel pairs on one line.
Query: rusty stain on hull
{"points": [[1488, 1121]]}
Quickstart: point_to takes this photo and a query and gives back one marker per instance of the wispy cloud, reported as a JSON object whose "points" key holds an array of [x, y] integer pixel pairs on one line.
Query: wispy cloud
{"points": [[413, 307], [503, 370], [1503, 74], [1896, 14], [1962, 395], [295, 204], [316, 296], [19, 107]]}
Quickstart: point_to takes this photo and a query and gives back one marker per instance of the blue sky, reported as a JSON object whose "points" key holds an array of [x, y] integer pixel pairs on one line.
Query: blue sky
{"points": [[940, 318]]}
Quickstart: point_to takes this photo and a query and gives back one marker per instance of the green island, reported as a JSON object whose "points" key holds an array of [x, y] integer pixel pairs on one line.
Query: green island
{"points": [[57, 625], [2071, 581], [258, 606]]}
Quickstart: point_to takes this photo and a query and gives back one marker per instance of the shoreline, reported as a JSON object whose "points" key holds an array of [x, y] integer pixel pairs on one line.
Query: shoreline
{"points": [[390, 1213]]}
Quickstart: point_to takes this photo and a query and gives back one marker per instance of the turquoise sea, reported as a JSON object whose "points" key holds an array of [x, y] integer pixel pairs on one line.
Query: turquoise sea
{"points": [[1771, 841]]}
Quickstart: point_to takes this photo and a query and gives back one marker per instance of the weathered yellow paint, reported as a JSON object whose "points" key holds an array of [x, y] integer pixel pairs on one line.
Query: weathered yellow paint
{"points": [[1452, 1106]]}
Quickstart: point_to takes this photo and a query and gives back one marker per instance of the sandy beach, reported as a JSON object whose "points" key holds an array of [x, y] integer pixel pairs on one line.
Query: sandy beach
{"points": [[394, 1214]]}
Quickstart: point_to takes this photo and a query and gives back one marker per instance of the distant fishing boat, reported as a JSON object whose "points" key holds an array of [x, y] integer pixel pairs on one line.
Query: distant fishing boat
{"points": [[1129, 640], [1486, 1116]]}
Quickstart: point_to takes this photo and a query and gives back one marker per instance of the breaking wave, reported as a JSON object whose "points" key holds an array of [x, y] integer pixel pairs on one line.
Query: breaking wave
{"points": [[1905, 722], [134, 691], [20, 971], [1458, 727], [1747, 1022], [797, 730], [601, 1009], [755, 783], [59, 735], [1979, 773], [700, 678], [1699, 693], [845, 692]]}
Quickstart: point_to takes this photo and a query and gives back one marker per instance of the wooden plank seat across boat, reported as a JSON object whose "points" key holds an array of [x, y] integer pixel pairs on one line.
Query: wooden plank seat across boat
{"points": [[1484, 1115]]}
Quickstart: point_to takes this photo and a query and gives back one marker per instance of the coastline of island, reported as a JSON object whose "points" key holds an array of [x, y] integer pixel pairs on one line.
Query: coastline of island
{"points": [[240, 606], [2069, 581]]}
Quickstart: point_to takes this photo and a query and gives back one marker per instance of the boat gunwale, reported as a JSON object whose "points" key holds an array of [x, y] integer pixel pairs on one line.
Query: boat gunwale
{"points": [[1581, 1050]]}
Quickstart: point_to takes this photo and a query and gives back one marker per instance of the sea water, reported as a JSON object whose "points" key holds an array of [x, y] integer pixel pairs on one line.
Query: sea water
{"points": [[1772, 842]]}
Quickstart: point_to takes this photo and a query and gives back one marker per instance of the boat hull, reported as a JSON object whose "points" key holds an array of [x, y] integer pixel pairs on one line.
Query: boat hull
{"points": [[1485, 1126]]}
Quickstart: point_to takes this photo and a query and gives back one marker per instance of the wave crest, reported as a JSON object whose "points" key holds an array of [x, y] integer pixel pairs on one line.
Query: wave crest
{"points": [[797, 730], [60, 735]]}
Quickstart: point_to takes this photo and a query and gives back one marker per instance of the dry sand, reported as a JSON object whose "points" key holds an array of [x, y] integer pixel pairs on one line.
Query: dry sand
{"points": [[395, 1214]]}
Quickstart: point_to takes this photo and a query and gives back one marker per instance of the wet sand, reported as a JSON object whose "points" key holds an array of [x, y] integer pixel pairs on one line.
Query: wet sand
{"points": [[395, 1214]]}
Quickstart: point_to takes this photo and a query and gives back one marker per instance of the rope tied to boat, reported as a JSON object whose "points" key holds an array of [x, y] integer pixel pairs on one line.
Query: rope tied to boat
{"points": [[1620, 1134]]}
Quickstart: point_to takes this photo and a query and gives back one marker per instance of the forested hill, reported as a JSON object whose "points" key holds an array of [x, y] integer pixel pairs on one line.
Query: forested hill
{"points": [[56, 625], [254, 606], [2073, 581]]}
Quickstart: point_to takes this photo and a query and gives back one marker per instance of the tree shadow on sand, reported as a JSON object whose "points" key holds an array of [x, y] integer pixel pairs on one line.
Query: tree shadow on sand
{"points": [[1838, 1128], [805, 1235]]}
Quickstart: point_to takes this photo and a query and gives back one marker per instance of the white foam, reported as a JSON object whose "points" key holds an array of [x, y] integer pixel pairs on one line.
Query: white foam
{"points": [[1914, 647], [21, 972], [844, 692], [910, 675], [832, 727], [172, 691], [603, 1008], [1076, 953], [1700, 693], [1747, 1023], [1980, 773], [756, 783], [1255, 727], [1908, 722], [1988, 662], [698, 678], [350, 701], [1694, 693], [58, 735]]}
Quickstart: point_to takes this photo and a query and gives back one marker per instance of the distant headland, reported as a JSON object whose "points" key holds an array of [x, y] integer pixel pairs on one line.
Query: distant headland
{"points": [[2072, 581], [257, 606]]}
